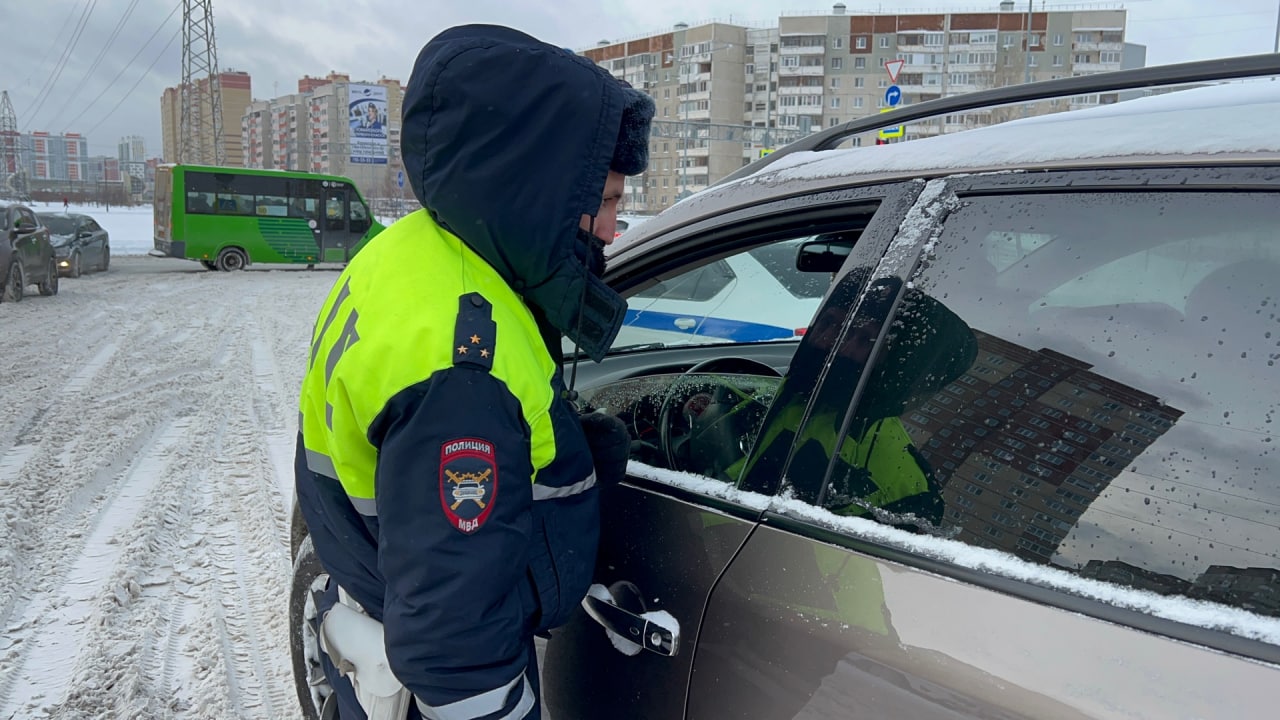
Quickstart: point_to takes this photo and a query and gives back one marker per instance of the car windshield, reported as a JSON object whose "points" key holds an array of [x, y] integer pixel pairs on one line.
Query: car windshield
{"points": [[59, 224]]}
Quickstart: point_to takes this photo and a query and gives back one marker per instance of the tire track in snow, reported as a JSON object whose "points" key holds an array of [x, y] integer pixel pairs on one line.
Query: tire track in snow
{"points": [[258, 544], [41, 671], [228, 349], [278, 426]]}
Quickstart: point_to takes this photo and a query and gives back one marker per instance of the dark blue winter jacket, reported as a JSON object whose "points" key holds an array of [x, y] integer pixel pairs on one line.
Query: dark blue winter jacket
{"points": [[443, 476]]}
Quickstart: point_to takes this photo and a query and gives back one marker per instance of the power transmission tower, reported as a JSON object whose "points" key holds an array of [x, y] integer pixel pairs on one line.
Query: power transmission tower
{"points": [[11, 170], [201, 140]]}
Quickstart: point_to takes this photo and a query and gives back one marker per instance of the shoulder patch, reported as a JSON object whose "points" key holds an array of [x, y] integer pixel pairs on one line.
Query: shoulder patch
{"points": [[474, 332], [468, 482]]}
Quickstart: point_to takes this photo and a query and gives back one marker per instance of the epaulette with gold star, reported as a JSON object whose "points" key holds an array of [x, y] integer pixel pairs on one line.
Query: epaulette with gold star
{"points": [[474, 332]]}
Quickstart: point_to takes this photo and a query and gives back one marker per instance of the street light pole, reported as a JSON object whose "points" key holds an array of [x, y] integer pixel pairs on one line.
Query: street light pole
{"points": [[684, 137], [687, 129], [1027, 55], [1277, 45]]}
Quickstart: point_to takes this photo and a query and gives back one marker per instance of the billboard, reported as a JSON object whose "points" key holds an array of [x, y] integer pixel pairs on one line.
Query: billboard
{"points": [[367, 116]]}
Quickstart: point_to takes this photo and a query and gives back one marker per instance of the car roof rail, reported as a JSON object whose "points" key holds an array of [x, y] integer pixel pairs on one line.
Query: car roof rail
{"points": [[1182, 73]]}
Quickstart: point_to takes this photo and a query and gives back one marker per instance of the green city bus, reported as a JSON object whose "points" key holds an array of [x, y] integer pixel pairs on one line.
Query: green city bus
{"points": [[227, 218]]}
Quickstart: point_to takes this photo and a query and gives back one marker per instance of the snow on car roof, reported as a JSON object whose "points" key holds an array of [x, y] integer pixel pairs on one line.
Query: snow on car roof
{"points": [[1227, 118]]}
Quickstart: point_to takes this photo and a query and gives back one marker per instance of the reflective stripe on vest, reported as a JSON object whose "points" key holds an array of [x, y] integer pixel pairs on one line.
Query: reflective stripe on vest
{"points": [[367, 348]]}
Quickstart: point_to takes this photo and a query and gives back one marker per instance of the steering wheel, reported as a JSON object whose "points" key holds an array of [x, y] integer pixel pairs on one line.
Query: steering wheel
{"points": [[705, 423]]}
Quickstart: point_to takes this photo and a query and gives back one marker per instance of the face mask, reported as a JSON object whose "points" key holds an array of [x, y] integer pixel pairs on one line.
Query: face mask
{"points": [[589, 250]]}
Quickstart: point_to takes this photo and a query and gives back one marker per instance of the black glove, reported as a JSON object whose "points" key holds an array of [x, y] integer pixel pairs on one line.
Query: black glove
{"points": [[610, 445]]}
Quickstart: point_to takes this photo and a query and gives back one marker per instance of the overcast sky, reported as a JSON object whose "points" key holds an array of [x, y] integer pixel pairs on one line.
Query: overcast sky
{"points": [[60, 80]]}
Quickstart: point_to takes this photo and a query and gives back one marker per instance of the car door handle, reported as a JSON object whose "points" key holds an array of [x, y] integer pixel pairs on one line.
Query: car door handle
{"points": [[638, 629]]}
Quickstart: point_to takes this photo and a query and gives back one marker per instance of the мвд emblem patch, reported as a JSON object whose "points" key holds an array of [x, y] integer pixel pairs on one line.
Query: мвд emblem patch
{"points": [[468, 482]]}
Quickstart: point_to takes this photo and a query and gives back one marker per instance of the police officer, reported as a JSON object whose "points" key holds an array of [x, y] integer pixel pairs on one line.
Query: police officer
{"points": [[448, 485]]}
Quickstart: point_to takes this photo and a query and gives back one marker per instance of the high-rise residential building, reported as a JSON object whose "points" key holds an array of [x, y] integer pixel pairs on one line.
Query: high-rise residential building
{"points": [[812, 72], [48, 157], [132, 149], [306, 83], [274, 133], [104, 169], [236, 96], [332, 125]]}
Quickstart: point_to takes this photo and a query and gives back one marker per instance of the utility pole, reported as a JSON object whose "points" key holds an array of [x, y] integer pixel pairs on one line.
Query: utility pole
{"points": [[200, 57]]}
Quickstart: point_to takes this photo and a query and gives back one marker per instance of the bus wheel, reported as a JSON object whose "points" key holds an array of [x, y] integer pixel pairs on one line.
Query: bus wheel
{"points": [[232, 258], [209, 264]]}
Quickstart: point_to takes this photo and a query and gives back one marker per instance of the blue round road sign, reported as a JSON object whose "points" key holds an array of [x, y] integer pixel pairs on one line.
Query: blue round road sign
{"points": [[893, 95], [400, 178]]}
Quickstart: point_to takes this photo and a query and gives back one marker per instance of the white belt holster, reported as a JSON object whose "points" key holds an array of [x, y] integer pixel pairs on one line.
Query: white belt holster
{"points": [[354, 642]]}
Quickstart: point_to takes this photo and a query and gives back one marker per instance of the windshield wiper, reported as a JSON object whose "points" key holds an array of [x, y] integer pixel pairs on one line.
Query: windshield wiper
{"points": [[621, 349]]}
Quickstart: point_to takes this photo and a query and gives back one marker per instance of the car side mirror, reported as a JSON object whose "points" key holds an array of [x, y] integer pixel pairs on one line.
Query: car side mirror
{"points": [[823, 255], [83, 234]]}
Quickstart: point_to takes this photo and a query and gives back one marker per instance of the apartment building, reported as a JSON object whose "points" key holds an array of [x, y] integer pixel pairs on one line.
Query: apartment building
{"points": [[132, 148], [50, 157], [274, 132], [104, 169], [331, 125], [727, 93], [236, 94]]}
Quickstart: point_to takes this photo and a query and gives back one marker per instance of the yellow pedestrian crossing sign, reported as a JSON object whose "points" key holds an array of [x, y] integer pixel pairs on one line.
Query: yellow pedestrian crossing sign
{"points": [[896, 131]]}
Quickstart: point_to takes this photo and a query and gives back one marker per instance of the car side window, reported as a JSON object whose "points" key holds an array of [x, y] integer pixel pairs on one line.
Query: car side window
{"points": [[28, 220], [706, 419], [755, 295], [1086, 381]]}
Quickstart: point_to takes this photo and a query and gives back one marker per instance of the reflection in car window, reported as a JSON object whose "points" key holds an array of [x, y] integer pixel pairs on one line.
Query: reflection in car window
{"points": [[780, 260], [1116, 416], [755, 295]]}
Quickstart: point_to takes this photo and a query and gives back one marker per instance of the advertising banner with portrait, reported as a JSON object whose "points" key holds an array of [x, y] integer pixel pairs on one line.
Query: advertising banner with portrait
{"points": [[367, 115]]}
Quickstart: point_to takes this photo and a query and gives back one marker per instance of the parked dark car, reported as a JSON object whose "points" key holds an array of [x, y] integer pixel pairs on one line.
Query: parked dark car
{"points": [[79, 243], [26, 255], [1018, 461]]}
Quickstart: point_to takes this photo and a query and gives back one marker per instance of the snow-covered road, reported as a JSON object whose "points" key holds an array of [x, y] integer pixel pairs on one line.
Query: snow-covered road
{"points": [[147, 418]]}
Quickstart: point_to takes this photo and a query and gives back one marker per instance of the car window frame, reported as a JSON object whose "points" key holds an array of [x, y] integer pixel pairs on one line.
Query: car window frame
{"points": [[715, 238], [28, 214], [904, 259]]}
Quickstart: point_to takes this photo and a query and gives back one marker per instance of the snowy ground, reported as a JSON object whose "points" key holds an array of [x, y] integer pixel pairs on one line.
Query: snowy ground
{"points": [[145, 463]]}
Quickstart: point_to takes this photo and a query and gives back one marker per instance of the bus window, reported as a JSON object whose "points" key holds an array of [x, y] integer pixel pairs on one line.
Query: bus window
{"points": [[334, 212], [272, 205], [200, 202], [302, 207], [233, 203], [359, 217]]}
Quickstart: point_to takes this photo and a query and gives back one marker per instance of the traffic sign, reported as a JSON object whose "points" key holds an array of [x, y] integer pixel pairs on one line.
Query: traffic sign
{"points": [[400, 178], [896, 131], [893, 67], [893, 95]]}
